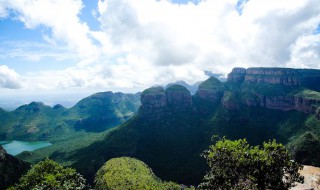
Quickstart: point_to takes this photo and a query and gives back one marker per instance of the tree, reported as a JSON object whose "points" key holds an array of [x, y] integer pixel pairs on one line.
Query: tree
{"points": [[50, 175], [237, 165]]}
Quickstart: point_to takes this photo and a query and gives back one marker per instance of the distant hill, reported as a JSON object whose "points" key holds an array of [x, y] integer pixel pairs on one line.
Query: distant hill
{"points": [[172, 127], [96, 113]]}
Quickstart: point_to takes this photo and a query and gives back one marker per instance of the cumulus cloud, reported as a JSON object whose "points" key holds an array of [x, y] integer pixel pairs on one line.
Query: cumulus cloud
{"points": [[60, 16], [144, 42], [9, 78]]}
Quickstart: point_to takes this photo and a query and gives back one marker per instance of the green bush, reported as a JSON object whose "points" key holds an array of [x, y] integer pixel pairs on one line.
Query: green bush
{"points": [[49, 175], [237, 165]]}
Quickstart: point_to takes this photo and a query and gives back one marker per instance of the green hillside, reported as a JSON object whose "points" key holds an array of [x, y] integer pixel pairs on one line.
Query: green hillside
{"points": [[96, 113], [172, 145], [129, 173]]}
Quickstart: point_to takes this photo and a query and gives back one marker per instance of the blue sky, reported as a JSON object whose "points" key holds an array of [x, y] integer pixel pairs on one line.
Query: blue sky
{"points": [[129, 45]]}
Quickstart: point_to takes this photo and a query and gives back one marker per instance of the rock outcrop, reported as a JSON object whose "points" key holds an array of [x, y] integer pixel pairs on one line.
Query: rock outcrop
{"points": [[179, 98], [237, 75], [281, 90], [311, 179], [156, 102], [211, 90], [282, 76]]}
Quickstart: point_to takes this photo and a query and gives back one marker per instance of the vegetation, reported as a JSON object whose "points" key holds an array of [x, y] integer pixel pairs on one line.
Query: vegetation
{"points": [[237, 165], [11, 169], [129, 173], [306, 149], [96, 113], [171, 145], [212, 84], [48, 174]]}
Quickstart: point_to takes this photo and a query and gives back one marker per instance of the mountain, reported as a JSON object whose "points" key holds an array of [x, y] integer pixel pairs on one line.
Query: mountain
{"points": [[192, 88], [96, 113], [172, 127], [11, 169]]}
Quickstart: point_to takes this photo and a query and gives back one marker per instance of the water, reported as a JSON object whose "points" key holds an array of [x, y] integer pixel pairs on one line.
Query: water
{"points": [[16, 147]]}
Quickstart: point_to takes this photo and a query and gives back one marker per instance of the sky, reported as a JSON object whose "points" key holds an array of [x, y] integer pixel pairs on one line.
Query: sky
{"points": [[85, 46]]}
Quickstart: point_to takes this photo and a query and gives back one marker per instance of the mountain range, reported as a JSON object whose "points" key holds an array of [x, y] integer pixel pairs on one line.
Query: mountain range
{"points": [[168, 128]]}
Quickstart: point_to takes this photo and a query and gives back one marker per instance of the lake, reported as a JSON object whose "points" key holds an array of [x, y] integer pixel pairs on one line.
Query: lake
{"points": [[16, 147]]}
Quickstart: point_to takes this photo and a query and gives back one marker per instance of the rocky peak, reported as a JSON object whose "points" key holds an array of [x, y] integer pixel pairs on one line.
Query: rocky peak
{"points": [[211, 90], [237, 75], [154, 103], [178, 97], [157, 102]]}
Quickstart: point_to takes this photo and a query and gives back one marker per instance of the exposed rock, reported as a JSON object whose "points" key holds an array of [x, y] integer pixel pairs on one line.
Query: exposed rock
{"points": [[282, 76], [211, 90], [311, 179], [237, 75], [154, 103], [179, 98], [284, 103]]}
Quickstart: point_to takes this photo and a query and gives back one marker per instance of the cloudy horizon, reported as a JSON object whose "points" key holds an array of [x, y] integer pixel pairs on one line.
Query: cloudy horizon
{"points": [[129, 45]]}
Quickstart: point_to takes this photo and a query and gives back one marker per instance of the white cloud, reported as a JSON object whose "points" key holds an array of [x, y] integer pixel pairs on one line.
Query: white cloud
{"points": [[58, 15], [9, 78], [144, 42]]}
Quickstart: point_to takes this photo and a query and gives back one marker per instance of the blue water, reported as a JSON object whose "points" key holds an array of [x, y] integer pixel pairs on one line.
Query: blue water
{"points": [[16, 147]]}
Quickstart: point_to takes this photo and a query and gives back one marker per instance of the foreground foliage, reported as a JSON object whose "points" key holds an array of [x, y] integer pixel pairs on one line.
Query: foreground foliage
{"points": [[129, 173], [48, 174], [237, 165]]}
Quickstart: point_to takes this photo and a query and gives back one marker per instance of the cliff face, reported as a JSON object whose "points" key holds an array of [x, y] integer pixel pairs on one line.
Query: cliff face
{"points": [[211, 90], [237, 75], [282, 76], [274, 96], [178, 97], [157, 102], [154, 103]]}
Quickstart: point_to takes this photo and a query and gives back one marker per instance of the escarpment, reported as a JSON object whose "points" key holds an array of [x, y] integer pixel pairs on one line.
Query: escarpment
{"points": [[281, 76], [278, 88], [274, 88]]}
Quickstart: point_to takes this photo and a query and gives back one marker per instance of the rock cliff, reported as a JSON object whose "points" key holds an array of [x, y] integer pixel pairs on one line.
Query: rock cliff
{"points": [[178, 97], [211, 90], [153, 103], [282, 76], [156, 102], [279, 88]]}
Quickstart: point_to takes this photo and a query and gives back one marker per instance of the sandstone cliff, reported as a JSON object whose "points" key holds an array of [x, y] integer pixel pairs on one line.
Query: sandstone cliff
{"points": [[178, 97], [153, 103], [211, 90], [283, 76], [156, 102], [279, 88]]}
